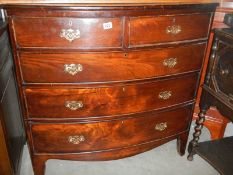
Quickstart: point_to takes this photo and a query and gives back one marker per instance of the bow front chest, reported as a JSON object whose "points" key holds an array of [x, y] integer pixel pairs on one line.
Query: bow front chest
{"points": [[107, 82]]}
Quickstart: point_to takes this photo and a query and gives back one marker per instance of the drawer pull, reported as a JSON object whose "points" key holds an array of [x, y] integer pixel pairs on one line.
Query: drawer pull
{"points": [[76, 139], [174, 29], [165, 95], [161, 126], [170, 62], [73, 68], [74, 105], [70, 34]]}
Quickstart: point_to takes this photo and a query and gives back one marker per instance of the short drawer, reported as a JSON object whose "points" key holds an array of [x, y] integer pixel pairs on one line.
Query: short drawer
{"points": [[68, 32], [113, 66], [112, 100], [79, 137], [159, 29]]}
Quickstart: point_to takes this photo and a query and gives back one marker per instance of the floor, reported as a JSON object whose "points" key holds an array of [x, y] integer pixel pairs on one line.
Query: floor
{"points": [[163, 160]]}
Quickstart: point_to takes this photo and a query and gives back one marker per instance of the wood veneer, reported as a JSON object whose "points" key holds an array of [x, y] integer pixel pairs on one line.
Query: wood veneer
{"points": [[115, 66], [139, 101], [106, 101]]}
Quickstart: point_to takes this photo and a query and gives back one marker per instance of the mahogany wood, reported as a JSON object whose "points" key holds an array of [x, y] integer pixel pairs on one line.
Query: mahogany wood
{"points": [[215, 123], [45, 32], [117, 100], [144, 30], [121, 82], [5, 165], [39, 160], [99, 135], [105, 2], [114, 66]]}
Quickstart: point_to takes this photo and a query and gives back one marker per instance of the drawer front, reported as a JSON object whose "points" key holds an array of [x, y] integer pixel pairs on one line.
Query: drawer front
{"points": [[159, 29], [68, 32], [76, 137], [114, 66], [105, 101]]}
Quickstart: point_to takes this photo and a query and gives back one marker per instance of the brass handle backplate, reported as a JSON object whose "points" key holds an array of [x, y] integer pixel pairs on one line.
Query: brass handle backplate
{"points": [[73, 69], [174, 29], [76, 139], [74, 105], [161, 126], [165, 95], [70, 34], [170, 62]]}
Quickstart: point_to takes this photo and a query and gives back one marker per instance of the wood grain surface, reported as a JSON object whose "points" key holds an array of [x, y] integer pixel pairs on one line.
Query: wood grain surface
{"points": [[116, 90], [115, 100], [53, 137], [104, 1], [46, 32], [150, 30], [110, 66]]}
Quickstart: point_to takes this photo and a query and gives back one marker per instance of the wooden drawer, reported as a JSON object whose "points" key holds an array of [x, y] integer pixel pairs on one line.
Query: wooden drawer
{"points": [[159, 29], [114, 66], [68, 32], [77, 137], [104, 101]]}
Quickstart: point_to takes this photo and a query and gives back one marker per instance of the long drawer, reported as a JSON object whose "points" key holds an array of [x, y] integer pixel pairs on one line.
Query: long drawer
{"points": [[113, 100], [151, 30], [78, 137], [68, 32], [112, 66]]}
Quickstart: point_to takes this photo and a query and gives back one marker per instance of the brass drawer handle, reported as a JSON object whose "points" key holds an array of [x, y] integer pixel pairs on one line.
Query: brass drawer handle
{"points": [[76, 139], [170, 62], [161, 126], [70, 34], [174, 29], [73, 68], [165, 95], [74, 105]]}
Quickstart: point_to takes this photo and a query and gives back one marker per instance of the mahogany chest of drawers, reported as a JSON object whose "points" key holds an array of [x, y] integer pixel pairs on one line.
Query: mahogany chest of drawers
{"points": [[107, 82]]}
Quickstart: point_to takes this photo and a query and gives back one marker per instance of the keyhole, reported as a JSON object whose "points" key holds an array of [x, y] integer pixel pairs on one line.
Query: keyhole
{"points": [[126, 54], [174, 20], [70, 23]]}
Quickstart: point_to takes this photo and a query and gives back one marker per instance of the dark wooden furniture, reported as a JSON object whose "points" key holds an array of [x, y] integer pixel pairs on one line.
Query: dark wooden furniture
{"points": [[219, 153], [217, 91], [106, 82], [11, 128], [214, 121]]}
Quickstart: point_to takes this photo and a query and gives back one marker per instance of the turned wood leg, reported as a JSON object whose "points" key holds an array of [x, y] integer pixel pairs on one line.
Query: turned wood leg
{"points": [[38, 164], [197, 133], [182, 142]]}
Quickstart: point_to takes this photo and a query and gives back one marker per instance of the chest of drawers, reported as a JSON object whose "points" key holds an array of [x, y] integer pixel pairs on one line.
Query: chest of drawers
{"points": [[107, 82]]}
